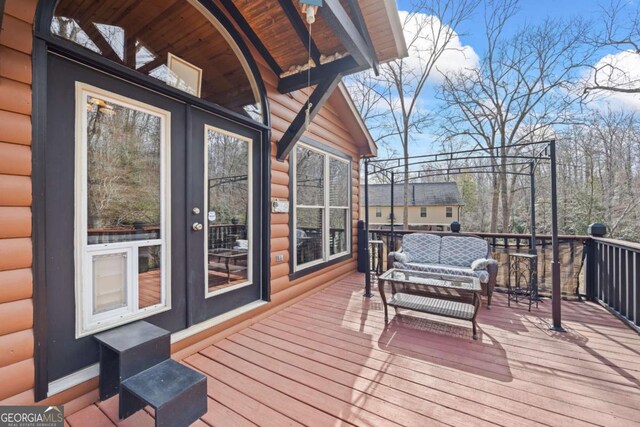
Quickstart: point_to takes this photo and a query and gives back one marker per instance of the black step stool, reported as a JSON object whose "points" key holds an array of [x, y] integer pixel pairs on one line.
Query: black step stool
{"points": [[177, 393], [134, 362]]}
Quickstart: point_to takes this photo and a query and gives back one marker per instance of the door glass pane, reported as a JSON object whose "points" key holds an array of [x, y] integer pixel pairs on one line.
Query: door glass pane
{"points": [[308, 234], [228, 210], [309, 178], [123, 172], [149, 279], [109, 282], [338, 230], [338, 183]]}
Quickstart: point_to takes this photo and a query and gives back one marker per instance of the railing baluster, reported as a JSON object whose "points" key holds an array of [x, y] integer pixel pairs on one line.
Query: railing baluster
{"points": [[622, 278], [631, 313], [636, 285]]}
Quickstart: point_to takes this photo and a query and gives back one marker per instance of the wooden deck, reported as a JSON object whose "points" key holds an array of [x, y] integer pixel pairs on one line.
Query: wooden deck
{"points": [[328, 360]]}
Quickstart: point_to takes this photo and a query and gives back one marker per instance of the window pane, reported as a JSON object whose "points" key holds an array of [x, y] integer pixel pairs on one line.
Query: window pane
{"points": [[123, 172], [309, 234], [149, 281], [109, 282], [338, 230], [309, 178], [140, 35], [338, 183], [228, 207]]}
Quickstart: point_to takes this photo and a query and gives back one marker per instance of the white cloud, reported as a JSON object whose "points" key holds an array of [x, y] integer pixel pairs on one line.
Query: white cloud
{"points": [[421, 35], [621, 70]]}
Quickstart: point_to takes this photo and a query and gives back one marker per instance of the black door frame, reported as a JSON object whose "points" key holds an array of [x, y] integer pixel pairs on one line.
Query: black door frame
{"points": [[43, 43]]}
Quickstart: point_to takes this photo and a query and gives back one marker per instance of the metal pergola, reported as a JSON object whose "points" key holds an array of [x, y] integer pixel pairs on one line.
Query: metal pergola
{"points": [[536, 152]]}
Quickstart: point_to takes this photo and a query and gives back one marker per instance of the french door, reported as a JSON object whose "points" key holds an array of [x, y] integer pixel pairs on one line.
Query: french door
{"points": [[225, 199], [153, 211]]}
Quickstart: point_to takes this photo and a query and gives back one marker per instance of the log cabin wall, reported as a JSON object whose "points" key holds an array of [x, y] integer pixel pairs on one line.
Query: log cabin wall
{"points": [[16, 282]]}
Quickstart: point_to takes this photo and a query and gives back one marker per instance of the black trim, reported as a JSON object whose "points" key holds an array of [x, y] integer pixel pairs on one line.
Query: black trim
{"points": [[292, 203], [266, 223], [338, 19], [38, 172], [344, 66], [318, 97], [299, 25], [364, 31], [251, 35], [1, 12]]}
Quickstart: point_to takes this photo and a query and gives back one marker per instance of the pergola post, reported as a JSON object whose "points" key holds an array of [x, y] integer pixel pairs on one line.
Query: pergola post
{"points": [[533, 249], [392, 242], [555, 263], [367, 270]]}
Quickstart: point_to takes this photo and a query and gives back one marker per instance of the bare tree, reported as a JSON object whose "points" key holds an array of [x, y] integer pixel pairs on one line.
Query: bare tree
{"points": [[621, 32], [390, 102], [520, 91]]}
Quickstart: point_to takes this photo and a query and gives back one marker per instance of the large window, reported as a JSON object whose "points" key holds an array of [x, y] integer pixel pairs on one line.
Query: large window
{"points": [[322, 207], [178, 43], [122, 230]]}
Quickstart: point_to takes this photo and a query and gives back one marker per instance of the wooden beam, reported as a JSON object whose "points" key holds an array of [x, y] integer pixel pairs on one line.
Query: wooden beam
{"points": [[343, 66], [1, 12], [251, 35], [364, 31], [300, 27], [317, 99], [339, 20]]}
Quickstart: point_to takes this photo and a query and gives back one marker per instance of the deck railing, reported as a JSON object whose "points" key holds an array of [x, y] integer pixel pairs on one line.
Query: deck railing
{"points": [[571, 250], [613, 277]]}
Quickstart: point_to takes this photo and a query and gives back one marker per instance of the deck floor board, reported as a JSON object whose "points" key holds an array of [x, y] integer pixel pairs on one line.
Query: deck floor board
{"points": [[330, 359]]}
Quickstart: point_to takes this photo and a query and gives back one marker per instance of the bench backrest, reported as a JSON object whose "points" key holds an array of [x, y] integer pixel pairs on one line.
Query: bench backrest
{"points": [[425, 248]]}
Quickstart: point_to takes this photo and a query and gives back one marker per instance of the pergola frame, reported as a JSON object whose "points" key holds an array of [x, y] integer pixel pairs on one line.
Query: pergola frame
{"points": [[546, 152]]}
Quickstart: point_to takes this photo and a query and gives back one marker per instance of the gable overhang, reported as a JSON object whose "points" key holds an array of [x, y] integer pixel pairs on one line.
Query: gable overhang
{"points": [[339, 43]]}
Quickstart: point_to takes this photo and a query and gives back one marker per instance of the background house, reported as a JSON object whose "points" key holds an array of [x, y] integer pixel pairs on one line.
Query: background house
{"points": [[432, 205]]}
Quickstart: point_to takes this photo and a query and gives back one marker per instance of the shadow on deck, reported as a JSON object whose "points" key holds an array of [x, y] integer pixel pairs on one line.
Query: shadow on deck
{"points": [[330, 360]]}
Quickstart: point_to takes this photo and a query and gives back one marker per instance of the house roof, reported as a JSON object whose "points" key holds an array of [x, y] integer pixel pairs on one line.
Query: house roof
{"points": [[420, 194]]}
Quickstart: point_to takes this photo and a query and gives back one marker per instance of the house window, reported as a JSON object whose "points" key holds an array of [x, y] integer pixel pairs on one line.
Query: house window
{"points": [[423, 212], [378, 212], [322, 212], [121, 222], [449, 212]]}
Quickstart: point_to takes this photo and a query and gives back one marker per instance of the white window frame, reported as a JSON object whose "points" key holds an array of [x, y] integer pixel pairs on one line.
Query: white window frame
{"points": [[86, 322], [423, 209], [247, 282], [447, 210], [326, 209], [378, 212]]}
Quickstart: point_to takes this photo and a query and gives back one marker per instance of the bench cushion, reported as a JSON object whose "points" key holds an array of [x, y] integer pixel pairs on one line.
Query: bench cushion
{"points": [[421, 247], [461, 251], [483, 275]]}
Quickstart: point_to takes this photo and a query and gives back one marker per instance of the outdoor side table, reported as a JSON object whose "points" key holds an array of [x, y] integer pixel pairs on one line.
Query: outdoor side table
{"points": [[521, 278]]}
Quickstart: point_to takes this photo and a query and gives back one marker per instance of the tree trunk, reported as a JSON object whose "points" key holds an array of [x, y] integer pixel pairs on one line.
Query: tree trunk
{"points": [[495, 197]]}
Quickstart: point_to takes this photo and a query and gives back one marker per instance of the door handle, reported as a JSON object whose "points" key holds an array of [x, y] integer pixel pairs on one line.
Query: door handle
{"points": [[197, 226]]}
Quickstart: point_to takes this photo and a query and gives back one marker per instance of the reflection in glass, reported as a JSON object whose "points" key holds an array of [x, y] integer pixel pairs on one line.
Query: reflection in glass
{"points": [[149, 279], [338, 183], [309, 178], [228, 195], [109, 282], [140, 35], [338, 230], [309, 234], [123, 170]]}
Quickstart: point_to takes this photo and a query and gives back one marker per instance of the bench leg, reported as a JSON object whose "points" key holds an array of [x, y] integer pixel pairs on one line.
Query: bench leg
{"points": [[129, 404], [475, 333]]}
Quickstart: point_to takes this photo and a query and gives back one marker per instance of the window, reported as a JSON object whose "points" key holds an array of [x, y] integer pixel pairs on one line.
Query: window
{"points": [[322, 212], [449, 213], [378, 212], [121, 220], [423, 212], [228, 201], [144, 38]]}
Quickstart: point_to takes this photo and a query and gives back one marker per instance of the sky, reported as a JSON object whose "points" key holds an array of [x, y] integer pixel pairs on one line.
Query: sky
{"points": [[471, 40]]}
